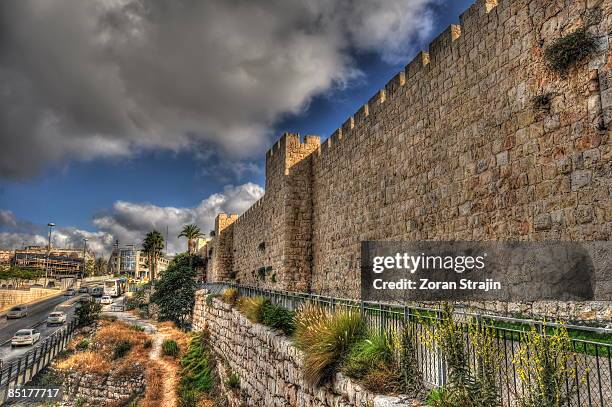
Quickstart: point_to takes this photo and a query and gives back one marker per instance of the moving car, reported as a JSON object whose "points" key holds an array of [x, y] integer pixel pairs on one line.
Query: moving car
{"points": [[56, 317], [85, 298], [19, 311], [106, 300], [97, 292], [70, 292], [25, 337], [83, 290]]}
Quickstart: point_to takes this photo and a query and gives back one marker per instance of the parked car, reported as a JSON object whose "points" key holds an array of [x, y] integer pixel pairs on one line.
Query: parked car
{"points": [[97, 292], [106, 300], [83, 290], [25, 337], [19, 311], [70, 292], [56, 317]]}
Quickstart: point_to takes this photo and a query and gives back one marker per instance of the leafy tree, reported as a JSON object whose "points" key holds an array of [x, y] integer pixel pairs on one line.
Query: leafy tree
{"points": [[100, 267], [88, 313], [153, 245], [191, 232], [174, 292], [18, 276]]}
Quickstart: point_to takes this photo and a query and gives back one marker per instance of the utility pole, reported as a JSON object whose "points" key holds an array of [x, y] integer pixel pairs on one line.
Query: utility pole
{"points": [[50, 225]]}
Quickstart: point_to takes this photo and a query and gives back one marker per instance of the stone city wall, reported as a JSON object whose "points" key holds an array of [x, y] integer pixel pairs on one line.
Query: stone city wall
{"points": [[269, 367], [457, 146]]}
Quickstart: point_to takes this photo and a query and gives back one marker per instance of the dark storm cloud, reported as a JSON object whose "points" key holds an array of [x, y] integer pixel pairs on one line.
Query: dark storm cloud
{"points": [[84, 79]]}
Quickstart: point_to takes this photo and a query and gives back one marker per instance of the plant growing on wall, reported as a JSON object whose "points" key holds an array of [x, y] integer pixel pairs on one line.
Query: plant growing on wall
{"points": [[570, 49], [545, 365]]}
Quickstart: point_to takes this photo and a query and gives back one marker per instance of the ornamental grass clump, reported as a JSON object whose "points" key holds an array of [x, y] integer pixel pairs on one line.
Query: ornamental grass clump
{"points": [[252, 307], [325, 337], [229, 296], [546, 367]]}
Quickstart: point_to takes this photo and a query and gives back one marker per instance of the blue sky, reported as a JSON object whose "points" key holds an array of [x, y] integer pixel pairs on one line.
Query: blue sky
{"points": [[72, 191]]}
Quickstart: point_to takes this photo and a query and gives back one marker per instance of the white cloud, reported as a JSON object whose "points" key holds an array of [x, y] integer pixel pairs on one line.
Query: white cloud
{"points": [[85, 79], [129, 222]]}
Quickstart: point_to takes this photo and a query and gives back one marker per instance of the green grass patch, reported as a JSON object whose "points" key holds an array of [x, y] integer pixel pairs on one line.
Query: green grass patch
{"points": [[170, 348], [197, 371], [121, 349]]}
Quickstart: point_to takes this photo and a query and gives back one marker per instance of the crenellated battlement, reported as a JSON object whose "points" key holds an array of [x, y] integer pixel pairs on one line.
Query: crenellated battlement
{"points": [[450, 148]]}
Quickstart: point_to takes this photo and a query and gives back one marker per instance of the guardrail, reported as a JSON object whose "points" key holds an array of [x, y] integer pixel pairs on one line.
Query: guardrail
{"points": [[21, 370], [592, 377]]}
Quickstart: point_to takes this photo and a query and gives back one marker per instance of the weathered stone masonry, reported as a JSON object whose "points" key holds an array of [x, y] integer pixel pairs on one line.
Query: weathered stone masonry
{"points": [[453, 147], [269, 367]]}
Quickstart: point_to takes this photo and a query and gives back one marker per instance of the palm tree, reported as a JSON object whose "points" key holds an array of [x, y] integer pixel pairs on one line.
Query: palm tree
{"points": [[191, 232], [152, 245]]}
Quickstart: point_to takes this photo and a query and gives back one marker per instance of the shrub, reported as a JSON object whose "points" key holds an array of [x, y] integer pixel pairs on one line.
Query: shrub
{"points": [[325, 338], [229, 296], [569, 49], [544, 364], [170, 348], [252, 307], [137, 328], [370, 354], [278, 318], [209, 299], [233, 381], [147, 344], [88, 313], [82, 345], [121, 349], [384, 363]]}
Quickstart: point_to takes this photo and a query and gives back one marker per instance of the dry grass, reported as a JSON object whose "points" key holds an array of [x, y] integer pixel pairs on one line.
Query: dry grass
{"points": [[154, 394], [170, 329], [98, 358], [86, 362]]}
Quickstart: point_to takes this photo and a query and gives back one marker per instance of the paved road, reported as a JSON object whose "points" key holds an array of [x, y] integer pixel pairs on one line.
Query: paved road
{"points": [[36, 313]]}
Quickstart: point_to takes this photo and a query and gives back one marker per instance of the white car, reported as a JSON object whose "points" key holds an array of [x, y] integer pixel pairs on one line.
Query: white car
{"points": [[25, 337], [106, 300], [19, 311], [56, 317]]}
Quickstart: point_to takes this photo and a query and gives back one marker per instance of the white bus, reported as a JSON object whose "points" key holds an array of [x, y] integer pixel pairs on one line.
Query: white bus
{"points": [[113, 287]]}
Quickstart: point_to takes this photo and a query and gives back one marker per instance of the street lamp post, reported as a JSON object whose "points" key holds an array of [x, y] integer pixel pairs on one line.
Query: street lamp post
{"points": [[51, 225], [84, 259]]}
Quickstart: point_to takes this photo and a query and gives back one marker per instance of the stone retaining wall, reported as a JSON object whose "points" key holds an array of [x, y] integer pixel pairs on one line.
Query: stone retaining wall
{"points": [[270, 368], [98, 390], [11, 297]]}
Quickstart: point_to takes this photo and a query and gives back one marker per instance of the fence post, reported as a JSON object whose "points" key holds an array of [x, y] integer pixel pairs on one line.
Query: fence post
{"points": [[25, 368], [18, 371], [440, 356]]}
